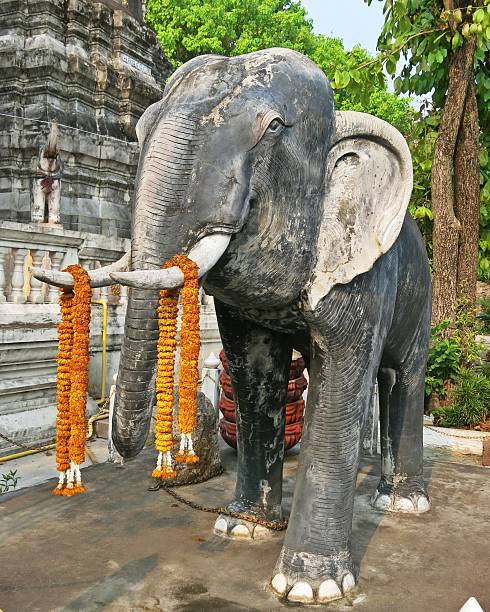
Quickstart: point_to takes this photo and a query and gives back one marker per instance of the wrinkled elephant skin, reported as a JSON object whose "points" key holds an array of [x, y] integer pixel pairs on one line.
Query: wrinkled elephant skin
{"points": [[323, 258]]}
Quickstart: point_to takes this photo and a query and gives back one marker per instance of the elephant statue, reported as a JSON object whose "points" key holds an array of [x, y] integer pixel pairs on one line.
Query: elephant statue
{"points": [[297, 218]]}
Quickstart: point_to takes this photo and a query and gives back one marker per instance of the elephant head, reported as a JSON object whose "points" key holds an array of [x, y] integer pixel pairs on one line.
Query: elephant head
{"points": [[246, 167]]}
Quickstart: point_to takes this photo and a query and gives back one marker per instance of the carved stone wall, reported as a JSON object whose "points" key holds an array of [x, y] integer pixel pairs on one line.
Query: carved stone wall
{"points": [[94, 67], [91, 66]]}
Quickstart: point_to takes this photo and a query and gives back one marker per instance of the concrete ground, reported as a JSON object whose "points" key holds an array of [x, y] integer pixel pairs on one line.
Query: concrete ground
{"points": [[121, 548]]}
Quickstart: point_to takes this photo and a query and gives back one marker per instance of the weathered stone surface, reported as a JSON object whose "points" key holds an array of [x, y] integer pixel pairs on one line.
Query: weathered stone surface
{"points": [[91, 66], [486, 453], [205, 444]]}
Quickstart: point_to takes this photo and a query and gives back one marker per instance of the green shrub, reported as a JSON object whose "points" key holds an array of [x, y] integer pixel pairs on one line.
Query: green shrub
{"points": [[453, 346], [443, 361], [484, 316], [8, 481], [472, 401]]}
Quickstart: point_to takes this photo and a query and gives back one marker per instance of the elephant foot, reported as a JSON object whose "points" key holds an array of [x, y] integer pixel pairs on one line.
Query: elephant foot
{"points": [[408, 495], [308, 578], [240, 529]]}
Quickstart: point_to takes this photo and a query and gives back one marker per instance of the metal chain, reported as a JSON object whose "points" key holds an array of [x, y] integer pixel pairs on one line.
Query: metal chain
{"points": [[274, 525], [16, 443], [443, 433], [29, 448]]}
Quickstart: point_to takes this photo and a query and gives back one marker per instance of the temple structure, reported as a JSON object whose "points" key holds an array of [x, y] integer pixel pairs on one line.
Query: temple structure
{"points": [[93, 66], [76, 75]]}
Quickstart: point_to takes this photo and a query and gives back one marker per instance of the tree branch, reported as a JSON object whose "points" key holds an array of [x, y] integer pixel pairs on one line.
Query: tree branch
{"points": [[374, 60]]}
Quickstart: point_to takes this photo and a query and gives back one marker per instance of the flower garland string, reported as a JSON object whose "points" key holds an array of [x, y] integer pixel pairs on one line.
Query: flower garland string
{"points": [[189, 373], [72, 382]]}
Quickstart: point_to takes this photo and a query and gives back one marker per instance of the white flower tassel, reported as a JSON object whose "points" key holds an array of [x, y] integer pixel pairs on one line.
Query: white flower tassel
{"points": [[78, 478], [61, 480], [164, 468], [70, 472], [186, 452]]}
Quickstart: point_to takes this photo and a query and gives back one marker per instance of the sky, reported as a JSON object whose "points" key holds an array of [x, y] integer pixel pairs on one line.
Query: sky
{"points": [[352, 20]]}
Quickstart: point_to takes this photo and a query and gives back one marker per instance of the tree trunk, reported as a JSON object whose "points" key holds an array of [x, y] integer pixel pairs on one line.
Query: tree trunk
{"points": [[467, 196], [447, 227]]}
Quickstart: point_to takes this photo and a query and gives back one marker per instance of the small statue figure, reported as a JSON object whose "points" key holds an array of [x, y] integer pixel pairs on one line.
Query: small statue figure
{"points": [[46, 187]]}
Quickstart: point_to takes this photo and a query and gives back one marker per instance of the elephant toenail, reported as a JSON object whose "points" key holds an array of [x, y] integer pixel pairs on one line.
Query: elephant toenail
{"points": [[348, 583], [423, 504], [261, 532], [381, 501], [328, 591], [221, 525], [240, 531], [279, 583], [301, 592], [404, 504]]}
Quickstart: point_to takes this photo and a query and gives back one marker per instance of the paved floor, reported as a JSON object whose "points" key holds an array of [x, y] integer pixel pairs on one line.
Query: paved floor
{"points": [[121, 548]]}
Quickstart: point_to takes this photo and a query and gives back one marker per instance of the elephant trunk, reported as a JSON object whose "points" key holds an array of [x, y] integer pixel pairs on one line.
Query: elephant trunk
{"points": [[157, 235]]}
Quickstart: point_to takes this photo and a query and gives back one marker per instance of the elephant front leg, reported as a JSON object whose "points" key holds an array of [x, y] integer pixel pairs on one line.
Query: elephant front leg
{"points": [[259, 362], [315, 564]]}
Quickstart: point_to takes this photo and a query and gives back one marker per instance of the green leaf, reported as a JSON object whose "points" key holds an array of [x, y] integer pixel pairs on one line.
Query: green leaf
{"points": [[391, 66], [341, 79], [478, 15], [456, 41]]}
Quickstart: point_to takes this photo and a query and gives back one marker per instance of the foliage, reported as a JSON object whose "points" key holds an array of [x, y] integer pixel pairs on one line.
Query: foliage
{"points": [[465, 328], [421, 141], [484, 315], [443, 361], [425, 34], [484, 255], [472, 402], [187, 28], [369, 93], [453, 347], [8, 481]]}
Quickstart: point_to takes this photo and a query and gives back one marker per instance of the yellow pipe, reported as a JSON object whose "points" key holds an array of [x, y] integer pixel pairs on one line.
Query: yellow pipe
{"points": [[27, 452], [90, 422], [32, 451], [103, 303]]}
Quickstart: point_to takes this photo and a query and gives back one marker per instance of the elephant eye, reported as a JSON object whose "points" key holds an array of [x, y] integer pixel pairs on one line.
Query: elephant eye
{"points": [[275, 125]]}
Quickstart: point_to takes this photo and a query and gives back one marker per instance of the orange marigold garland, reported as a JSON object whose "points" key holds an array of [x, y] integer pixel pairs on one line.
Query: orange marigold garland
{"points": [[167, 343], [63, 383], [189, 373], [72, 382], [189, 356]]}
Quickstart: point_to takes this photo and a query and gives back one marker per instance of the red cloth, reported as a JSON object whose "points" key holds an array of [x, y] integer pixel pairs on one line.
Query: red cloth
{"points": [[47, 184]]}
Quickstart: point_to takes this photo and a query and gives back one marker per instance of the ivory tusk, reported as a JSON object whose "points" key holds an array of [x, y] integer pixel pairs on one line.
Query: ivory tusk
{"points": [[205, 254], [98, 278]]}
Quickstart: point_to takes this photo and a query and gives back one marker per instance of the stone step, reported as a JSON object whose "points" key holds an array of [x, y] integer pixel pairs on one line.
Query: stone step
{"points": [[101, 428]]}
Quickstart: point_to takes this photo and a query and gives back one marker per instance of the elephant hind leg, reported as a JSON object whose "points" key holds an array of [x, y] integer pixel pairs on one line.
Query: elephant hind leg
{"points": [[401, 402]]}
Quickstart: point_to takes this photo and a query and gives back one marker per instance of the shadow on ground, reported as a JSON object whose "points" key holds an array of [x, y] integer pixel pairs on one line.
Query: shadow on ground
{"points": [[121, 548]]}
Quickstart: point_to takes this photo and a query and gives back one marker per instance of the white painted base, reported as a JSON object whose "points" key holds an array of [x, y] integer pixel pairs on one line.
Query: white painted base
{"points": [[462, 441]]}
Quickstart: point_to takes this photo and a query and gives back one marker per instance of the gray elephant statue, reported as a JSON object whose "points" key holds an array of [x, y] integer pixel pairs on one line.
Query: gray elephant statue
{"points": [[297, 218]]}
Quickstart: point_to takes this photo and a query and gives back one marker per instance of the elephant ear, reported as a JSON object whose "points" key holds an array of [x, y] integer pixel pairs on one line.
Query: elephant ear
{"points": [[368, 183]]}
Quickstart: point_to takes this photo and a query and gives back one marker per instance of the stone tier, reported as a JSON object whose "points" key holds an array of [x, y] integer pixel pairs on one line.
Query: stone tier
{"points": [[90, 66], [29, 316]]}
